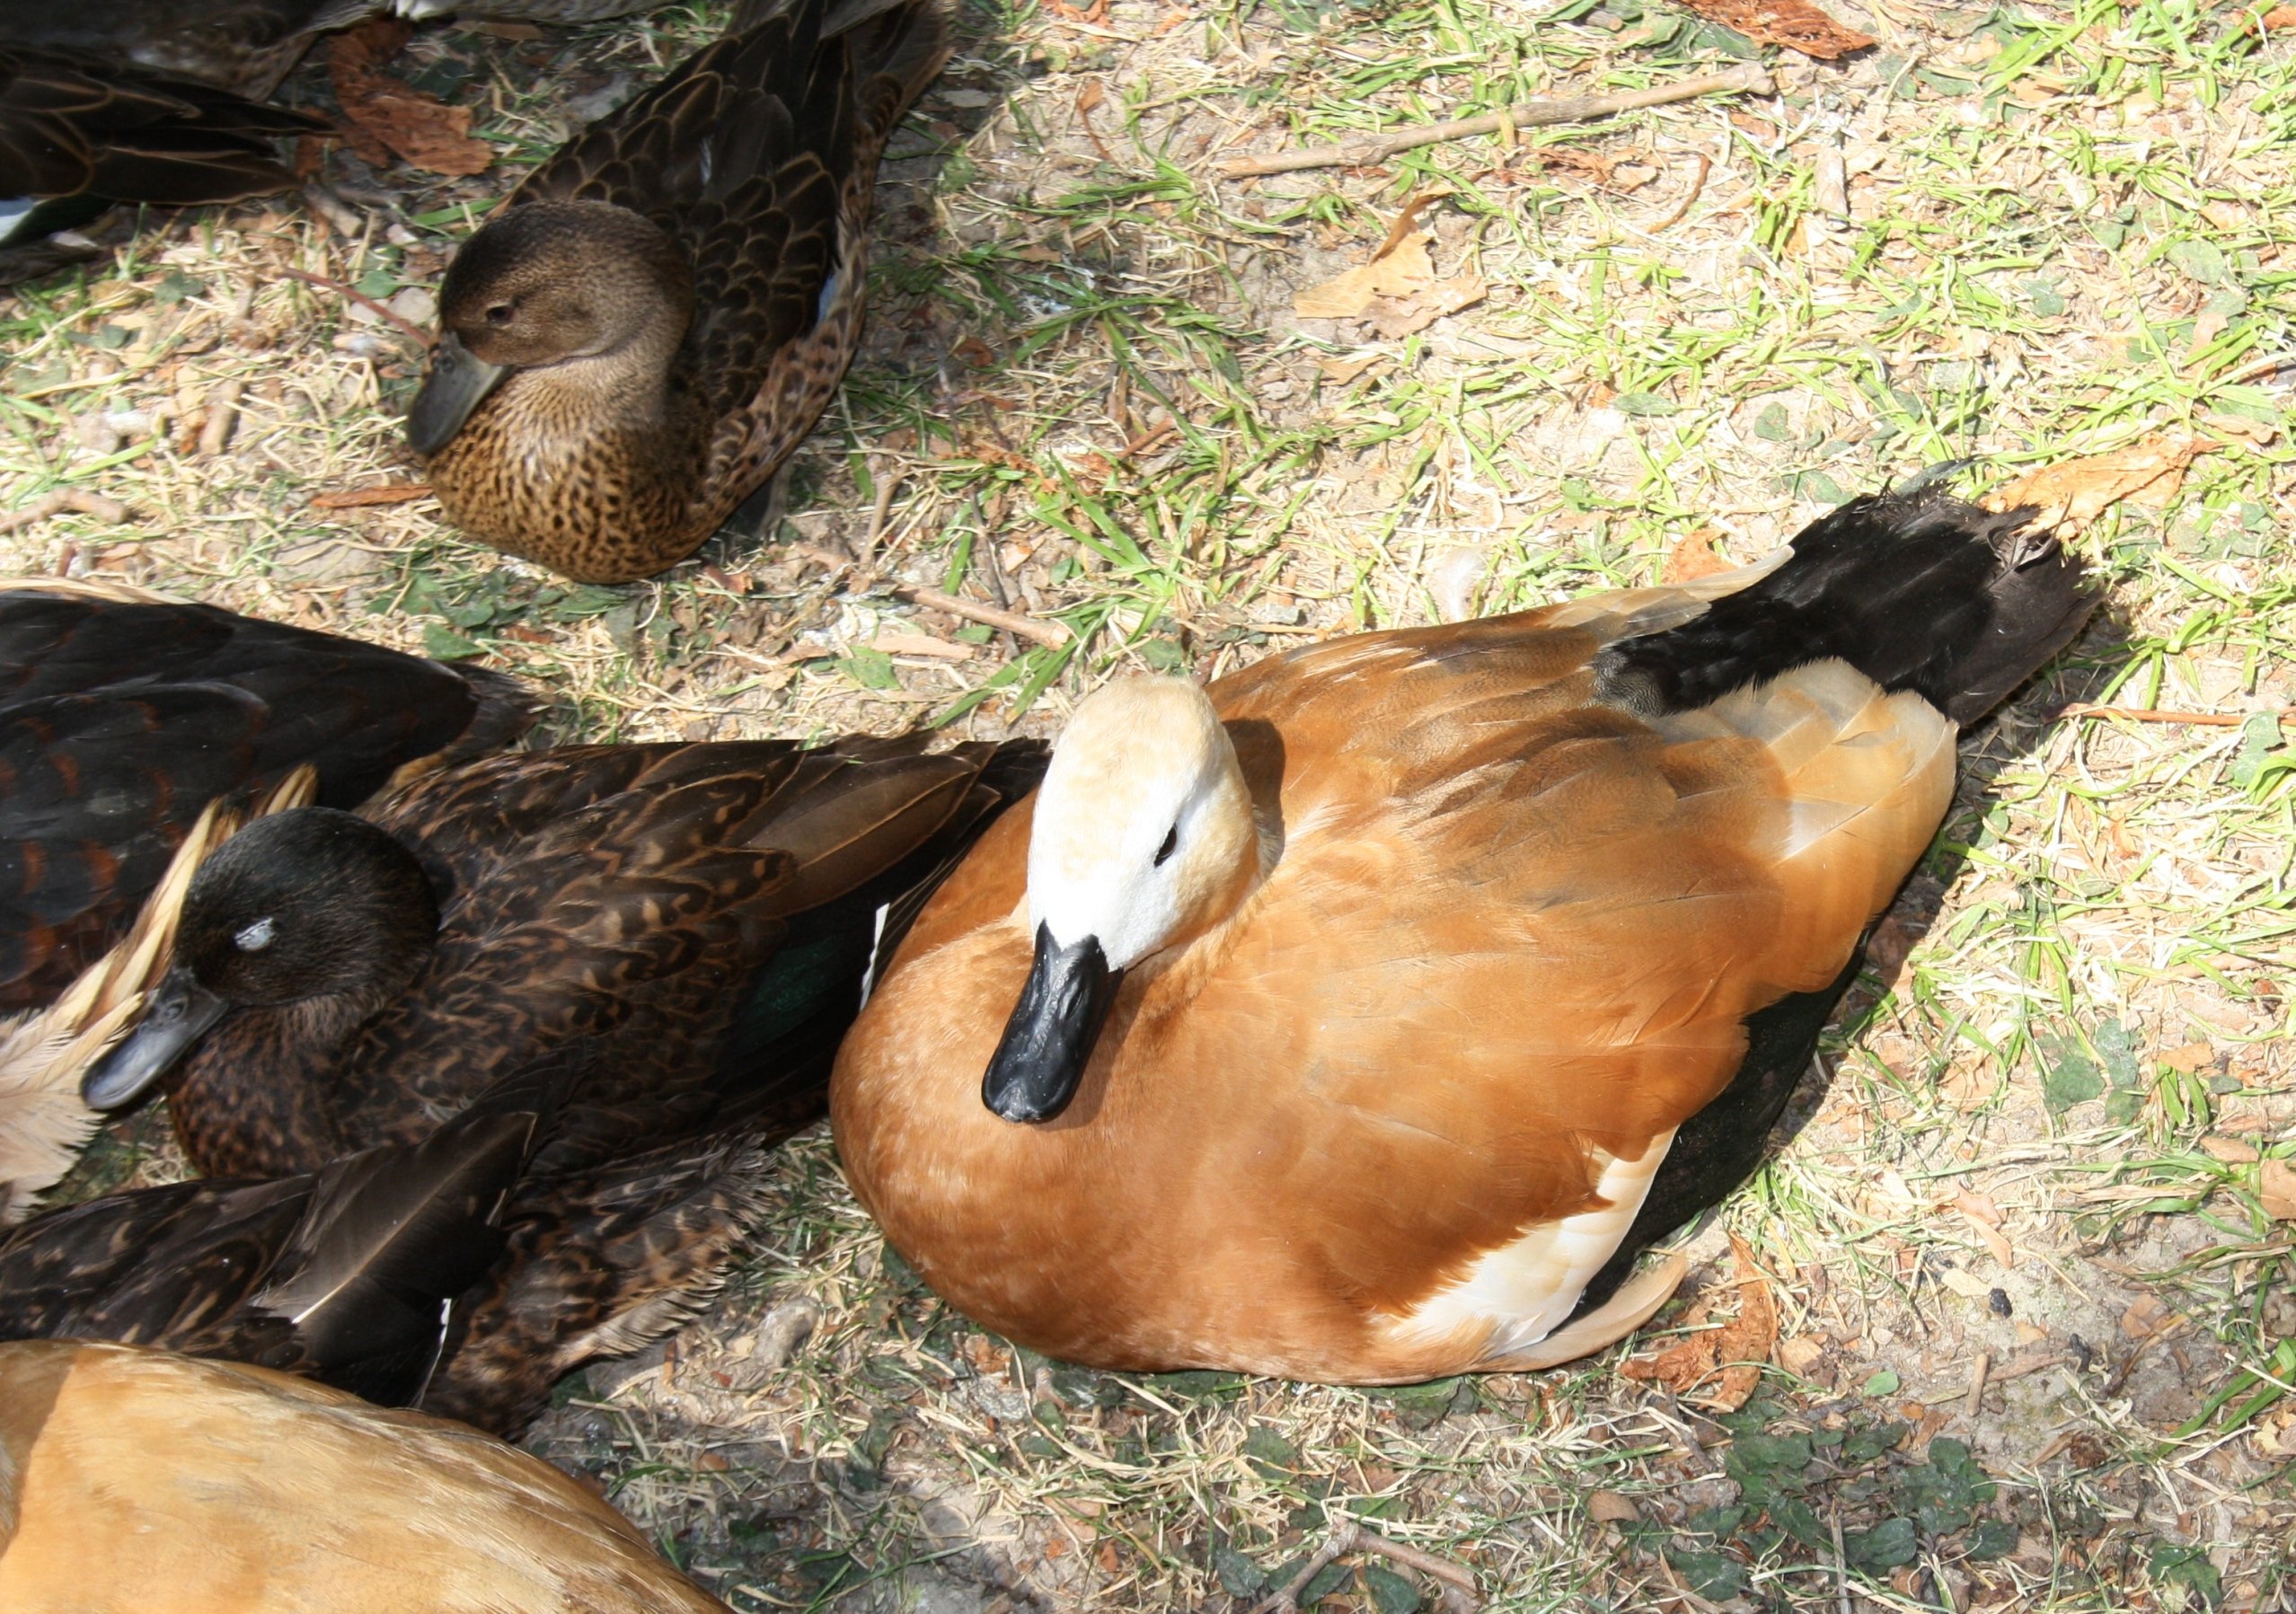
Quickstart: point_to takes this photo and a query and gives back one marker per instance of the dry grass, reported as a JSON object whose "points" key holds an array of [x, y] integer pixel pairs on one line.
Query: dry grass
{"points": [[2068, 228]]}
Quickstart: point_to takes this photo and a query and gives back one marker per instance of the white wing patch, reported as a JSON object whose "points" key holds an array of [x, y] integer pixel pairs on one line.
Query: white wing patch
{"points": [[1524, 1292], [876, 955]]}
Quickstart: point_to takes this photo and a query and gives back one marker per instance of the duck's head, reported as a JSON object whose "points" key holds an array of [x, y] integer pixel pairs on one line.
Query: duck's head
{"points": [[1143, 839], [545, 284], [305, 906]]}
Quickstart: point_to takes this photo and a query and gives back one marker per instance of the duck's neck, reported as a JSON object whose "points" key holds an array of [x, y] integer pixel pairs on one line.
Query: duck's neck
{"points": [[626, 390], [256, 1098]]}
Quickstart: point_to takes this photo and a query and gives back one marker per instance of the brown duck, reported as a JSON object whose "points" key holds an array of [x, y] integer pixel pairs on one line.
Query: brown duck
{"points": [[657, 317], [80, 131], [686, 931], [140, 1481], [1365, 1016], [452, 1272]]}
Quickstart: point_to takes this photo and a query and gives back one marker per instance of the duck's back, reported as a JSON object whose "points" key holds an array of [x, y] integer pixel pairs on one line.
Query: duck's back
{"points": [[137, 1480], [122, 718]]}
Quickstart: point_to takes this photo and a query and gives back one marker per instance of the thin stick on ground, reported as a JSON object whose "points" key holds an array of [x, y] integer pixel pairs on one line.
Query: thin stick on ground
{"points": [[2146, 714], [363, 300], [1051, 634], [1366, 149], [65, 499], [1458, 1582]]}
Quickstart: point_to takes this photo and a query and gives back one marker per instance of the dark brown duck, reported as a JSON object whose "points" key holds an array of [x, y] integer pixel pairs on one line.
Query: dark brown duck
{"points": [[636, 343], [694, 921]]}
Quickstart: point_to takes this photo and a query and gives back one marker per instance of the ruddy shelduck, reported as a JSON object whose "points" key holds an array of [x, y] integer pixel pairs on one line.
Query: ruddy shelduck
{"points": [[135, 1481], [1365, 1016]]}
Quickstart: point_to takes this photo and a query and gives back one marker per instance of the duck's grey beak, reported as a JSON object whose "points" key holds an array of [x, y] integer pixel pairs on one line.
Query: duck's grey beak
{"points": [[457, 384], [176, 1016], [1048, 1041]]}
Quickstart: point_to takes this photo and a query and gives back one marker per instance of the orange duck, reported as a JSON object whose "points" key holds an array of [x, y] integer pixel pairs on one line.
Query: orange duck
{"points": [[1364, 1016]]}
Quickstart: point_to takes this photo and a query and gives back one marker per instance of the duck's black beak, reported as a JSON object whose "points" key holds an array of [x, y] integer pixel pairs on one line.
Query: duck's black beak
{"points": [[1048, 1041], [458, 383], [176, 1016]]}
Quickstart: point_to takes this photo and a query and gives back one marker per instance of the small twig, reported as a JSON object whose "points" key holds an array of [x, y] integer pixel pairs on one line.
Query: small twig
{"points": [[364, 301], [1458, 1582], [1840, 1564], [887, 487], [65, 499], [1366, 149], [1697, 185], [1978, 1370], [353, 499], [1051, 634], [223, 410], [2146, 714]]}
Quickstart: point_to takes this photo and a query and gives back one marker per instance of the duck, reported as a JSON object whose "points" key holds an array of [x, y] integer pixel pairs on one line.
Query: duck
{"points": [[696, 920], [243, 1488], [347, 1274], [80, 132], [1365, 1016], [631, 346], [124, 713], [45, 1052], [682, 930], [450, 1274]]}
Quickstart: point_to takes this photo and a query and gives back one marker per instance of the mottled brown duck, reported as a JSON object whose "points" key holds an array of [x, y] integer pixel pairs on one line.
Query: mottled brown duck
{"points": [[1365, 1016], [142, 1481], [345, 1274], [123, 714], [81, 132], [635, 343], [450, 1274], [688, 929]]}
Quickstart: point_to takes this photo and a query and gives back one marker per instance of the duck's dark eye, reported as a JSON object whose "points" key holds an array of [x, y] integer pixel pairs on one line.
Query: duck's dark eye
{"points": [[499, 314], [1170, 845]]}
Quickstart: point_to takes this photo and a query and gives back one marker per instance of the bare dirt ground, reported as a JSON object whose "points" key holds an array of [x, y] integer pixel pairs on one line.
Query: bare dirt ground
{"points": [[2020, 1280]]}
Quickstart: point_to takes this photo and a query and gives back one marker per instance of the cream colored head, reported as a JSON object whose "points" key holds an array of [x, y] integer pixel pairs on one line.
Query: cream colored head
{"points": [[1144, 834]]}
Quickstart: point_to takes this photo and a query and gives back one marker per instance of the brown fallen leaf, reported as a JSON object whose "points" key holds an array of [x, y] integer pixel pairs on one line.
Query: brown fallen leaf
{"points": [[1399, 290], [2078, 491], [1694, 555], [1801, 1353], [388, 117], [2232, 1152], [2189, 1058], [1793, 23], [1731, 1354], [1608, 1507], [2276, 1190], [2144, 1318], [2278, 17], [352, 498]]}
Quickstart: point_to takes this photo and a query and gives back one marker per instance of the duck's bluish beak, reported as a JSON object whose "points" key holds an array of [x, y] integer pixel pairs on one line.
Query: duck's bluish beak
{"points": [[458, 383], [1048, 1041], [176, 1016]]}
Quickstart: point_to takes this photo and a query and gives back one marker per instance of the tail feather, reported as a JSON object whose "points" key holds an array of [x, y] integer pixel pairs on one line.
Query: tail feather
{"points": [[1917, 590]]}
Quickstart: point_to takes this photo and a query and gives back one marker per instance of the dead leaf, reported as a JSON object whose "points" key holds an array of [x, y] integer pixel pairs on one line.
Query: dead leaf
{"points": [[2078, 491], [1694, 555], [1397, 290], [1341, 371], [1735, 1351], [1964, 1286], [2189, 1058], [1793, 23], [1984, 1219], [389, 117], [2144, 1318], [2230, 1150], [2278, 17], [1800, 1353], [1608, 1507], [2276, 1190], [352, 498]]}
